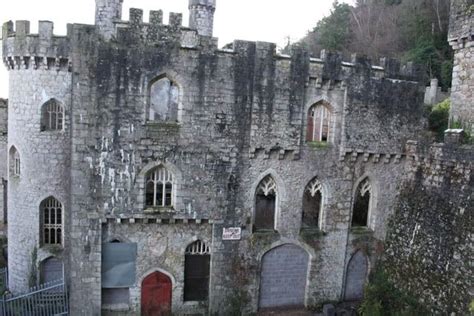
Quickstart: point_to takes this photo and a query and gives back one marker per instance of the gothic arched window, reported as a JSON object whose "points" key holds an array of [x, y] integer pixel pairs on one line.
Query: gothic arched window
{"points": [[159, 188], [312, 204], [52, 116], [265, 204], [15, 162], [362, 201], [319, 123], [163, 100], [51, 211], [197, 265]]}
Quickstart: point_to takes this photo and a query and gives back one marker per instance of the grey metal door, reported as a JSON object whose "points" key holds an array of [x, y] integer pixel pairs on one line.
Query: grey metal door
{"points": [[283, 277], [356, 277]]}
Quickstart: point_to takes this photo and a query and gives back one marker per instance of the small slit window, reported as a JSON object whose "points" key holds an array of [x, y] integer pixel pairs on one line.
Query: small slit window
{"points": [[163, 100], [159, 188], [52, 116], [319, 123], [196, 272], [265, 204], [15, 162], [51, 222], [312, 205], [362, 201]]}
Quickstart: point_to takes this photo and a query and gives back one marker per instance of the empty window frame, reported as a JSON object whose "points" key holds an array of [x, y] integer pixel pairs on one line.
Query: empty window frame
{"points": [[197, 264], [362, 203], [52, 116], [319, 123], [51, 222], [312, 205], [159, 188], [15, 162], [265, 204], [163, 100]]}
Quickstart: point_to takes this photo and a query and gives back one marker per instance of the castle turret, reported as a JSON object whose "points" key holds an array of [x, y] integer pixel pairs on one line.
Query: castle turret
{"points": [[107, 13], [201, 16]]}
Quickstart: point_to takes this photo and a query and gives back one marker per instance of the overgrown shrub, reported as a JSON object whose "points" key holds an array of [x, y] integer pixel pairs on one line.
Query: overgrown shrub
{"points": [[382, 298], [439, 118]]}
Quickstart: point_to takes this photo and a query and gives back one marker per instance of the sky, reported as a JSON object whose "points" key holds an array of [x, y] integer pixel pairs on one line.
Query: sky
{"points": [[264, 20]]}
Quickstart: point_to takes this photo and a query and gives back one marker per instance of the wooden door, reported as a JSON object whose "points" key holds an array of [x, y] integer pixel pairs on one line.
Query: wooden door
{"points": [[356, 277], [51, 270], [156, 295]]}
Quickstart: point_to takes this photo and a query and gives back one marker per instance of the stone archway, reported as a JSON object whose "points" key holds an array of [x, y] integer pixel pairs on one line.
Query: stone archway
{"points": [[356, 276], [283, 277], [156, 295]]}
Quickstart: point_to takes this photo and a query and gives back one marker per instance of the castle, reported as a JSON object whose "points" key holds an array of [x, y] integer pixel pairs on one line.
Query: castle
{"points": [[157, 172]]}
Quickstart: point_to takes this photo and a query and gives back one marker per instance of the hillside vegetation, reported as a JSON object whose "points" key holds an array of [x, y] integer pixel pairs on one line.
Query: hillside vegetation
{"points": [[410, 30]]}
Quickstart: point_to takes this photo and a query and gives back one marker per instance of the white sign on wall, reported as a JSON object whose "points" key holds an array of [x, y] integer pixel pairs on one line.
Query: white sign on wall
{"points": [[232, 233]]}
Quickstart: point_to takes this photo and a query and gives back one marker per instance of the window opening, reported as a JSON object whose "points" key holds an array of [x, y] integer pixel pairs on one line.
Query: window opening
{"points": [[52, 116], [319, 119], [159, 188], [362, 204], [164, 100], [312, 204], [51, 210], [265, 204]]}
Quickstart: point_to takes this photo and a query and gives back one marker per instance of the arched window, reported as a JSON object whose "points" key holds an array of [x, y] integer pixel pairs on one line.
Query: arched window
{"points": [[51, 270], [312, 204], [52, 116], [15, 162], [51, 221], [159, 188], [362, 201], [319, 123], [265, 204], [197, 264], [163, 100]]}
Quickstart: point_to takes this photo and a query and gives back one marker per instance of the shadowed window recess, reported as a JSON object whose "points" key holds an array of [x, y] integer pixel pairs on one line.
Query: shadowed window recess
{"points": [[362, 204], [312, 205], [265, 204], [196, 272], [15, 162]]}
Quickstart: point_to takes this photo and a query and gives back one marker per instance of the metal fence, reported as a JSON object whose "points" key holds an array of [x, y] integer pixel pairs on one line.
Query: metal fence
{"points": [[45, 300]]}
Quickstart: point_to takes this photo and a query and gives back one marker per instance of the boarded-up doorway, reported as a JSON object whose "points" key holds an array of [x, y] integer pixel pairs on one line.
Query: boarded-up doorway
{"points": [[283, 277], [156, 295], [356, 277], [51, 270]]}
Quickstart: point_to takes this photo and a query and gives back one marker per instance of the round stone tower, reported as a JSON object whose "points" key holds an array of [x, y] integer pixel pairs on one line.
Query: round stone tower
{"points": [[107, 13], [201, 16], [38, 151]]}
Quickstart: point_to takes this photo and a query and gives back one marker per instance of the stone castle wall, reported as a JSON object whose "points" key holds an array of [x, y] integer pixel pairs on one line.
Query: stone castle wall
{"points": [[461, 38], [429, 244], [242, 116], [3, 155]]}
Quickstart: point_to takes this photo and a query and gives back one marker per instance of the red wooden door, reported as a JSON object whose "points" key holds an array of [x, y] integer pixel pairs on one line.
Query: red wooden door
{"points": [[156, 295]]}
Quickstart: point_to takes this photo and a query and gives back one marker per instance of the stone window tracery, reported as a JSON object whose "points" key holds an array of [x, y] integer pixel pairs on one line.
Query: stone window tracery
{"points": [[197, 271], [159, 188], [51, 222], [362, 204], [163, 100], [312, 204], [319, 123], [265, 204], [52, 116]]}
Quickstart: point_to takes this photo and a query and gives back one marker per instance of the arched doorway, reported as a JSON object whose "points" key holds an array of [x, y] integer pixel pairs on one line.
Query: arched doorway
{"points": [[283, 277], [156, 295], [51, 270], [356, 277]]}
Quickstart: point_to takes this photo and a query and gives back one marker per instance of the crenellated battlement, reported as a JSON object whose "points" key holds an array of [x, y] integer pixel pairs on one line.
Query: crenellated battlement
{"points": [[22, 50]]}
